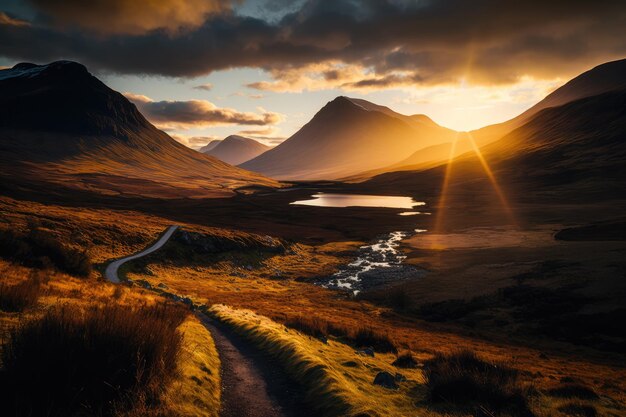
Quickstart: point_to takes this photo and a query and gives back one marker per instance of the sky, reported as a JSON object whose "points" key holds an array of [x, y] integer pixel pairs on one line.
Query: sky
{"points": [[204, 69]]}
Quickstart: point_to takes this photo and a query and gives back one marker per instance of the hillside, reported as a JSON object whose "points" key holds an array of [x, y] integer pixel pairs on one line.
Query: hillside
{"points": [[210, 145], [600, 79], [62, 127], [345, 137], [235, 149], [565, 152]]}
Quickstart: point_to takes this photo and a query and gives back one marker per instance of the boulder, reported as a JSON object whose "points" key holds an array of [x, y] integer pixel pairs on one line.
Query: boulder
{"points": [[385, 380]]}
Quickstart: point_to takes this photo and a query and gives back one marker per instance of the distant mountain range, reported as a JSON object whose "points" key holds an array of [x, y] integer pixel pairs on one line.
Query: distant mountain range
{"points": [[61, 126], [235, 149], [348, 136], [353, 139], [569, 150]]}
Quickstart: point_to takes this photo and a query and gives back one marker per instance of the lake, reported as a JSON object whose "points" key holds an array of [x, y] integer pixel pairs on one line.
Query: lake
{"points": [[359, 200]]}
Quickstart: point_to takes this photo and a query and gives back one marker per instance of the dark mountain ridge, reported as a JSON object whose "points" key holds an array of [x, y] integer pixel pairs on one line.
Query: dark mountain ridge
{"points": [[59, 124]]}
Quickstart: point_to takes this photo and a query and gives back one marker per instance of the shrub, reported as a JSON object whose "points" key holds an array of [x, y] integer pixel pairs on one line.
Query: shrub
{"points": [[313, 326], [95, 362], [368, 337], [405, 360], [40, 249], [463, 379], [573, 391], [578, 410], [19, 297]]}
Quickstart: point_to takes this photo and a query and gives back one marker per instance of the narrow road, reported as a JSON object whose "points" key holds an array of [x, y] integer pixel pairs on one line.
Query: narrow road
{"points": [[112, 269], [253, 383]]}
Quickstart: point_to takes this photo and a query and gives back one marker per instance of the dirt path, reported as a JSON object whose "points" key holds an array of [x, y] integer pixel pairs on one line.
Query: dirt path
{"points": [[111, 272], [253, 384]]}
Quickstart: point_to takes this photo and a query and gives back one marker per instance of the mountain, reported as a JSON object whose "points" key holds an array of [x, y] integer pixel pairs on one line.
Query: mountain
{"points": [[600, 79], [610, 76], [62, 127], [573, 152], [210, 146], [235, 149], [345, 137]]}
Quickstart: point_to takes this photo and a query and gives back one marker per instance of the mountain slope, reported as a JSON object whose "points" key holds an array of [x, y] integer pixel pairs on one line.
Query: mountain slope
{"points": [[602, 78], [345, 137], [573, 152], [610, 76], [210, 146], [236, 149], [60, 125]]}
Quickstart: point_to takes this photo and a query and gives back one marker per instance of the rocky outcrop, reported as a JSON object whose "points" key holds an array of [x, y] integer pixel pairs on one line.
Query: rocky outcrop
{"points": [[204, 243]]}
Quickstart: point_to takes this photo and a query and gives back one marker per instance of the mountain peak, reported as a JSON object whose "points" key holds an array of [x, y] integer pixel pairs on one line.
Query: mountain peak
{"points": [[30, 95], [235, 149], [30, 70]]}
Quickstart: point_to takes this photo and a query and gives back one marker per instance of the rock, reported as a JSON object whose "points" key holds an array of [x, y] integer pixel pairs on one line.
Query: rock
{"points": [[405, 361], [143, 283], [366, 352], [385, 380], [400, 377], [350, 364], [162, 286]]}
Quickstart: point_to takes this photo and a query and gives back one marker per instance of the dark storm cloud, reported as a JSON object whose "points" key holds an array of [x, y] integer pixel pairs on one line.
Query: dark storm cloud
{"points": [[428, 41]]}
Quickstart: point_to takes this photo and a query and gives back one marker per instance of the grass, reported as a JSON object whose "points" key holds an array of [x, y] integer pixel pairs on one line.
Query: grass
{"points": [[196, 389], [18, 297], [115, 233], [339, 382], [368, 337], [582, 410], [360, 337], [100, 361], [39, 248], [463, 379], [573, 390]]}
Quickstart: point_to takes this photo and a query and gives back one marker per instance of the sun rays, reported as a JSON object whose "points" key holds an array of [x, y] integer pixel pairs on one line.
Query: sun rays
{"points": [[445, 188]]}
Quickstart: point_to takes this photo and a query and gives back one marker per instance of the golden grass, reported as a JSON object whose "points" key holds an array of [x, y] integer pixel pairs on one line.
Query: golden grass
{"points": [[111, 234], [338, 381], [199, 360], [285, 299], [197, 390]]}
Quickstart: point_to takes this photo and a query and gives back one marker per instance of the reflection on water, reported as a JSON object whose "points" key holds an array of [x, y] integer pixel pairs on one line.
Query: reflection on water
{"points": [[412, 213], [359, 200]]}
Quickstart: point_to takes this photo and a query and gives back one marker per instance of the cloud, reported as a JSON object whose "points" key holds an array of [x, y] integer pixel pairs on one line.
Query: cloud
{"points": [[128, 16], [195, 142], [257, 132], [197, 113], [205, 87], [333, 74], [390, 43], [7, 20]]}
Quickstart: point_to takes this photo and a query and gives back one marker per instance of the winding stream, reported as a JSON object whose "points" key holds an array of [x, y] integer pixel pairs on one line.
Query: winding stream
{"points": [[376, 264]]}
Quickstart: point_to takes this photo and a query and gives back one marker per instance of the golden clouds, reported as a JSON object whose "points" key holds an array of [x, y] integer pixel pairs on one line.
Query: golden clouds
{"points": [[130, 17]]}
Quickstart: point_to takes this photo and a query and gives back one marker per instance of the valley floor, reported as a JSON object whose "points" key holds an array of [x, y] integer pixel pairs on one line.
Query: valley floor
{"points": [[272, 288]]}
